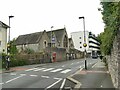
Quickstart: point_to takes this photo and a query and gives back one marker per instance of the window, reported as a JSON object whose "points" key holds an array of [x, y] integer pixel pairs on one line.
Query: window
{"points": [[79, 37], [80, 47], [80, 42], [44, 44]]}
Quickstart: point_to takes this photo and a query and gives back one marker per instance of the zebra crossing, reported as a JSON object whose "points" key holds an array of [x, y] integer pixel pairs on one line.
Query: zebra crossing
{"points": [[52, 70]]}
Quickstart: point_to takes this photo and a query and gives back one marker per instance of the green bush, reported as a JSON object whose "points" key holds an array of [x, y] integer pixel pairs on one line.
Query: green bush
{"points": [[16, 62]]}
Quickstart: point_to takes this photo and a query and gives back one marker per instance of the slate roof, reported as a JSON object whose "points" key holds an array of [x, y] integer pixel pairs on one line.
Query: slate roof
{"points": [[3, 24], [29, 38], [58, 33]]}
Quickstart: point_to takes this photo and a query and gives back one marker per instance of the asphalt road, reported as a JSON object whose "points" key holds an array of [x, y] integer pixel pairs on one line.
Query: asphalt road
{"points": [[49, 75]]}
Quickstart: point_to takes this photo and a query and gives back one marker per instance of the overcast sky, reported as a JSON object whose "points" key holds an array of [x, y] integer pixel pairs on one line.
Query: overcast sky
{"points": [[37, 15]]}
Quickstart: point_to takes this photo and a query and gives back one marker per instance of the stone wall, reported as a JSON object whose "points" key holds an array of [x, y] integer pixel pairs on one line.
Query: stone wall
{"points": [[114, 61]]}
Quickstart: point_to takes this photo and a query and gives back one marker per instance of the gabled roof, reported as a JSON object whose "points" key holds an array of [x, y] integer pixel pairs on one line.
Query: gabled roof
{"points": [[58, 33], [3, 24], [29, 38]]}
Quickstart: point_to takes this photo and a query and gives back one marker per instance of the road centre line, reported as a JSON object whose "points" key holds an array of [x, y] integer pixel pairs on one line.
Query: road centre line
{"points": [[14, 78], [62, 85], [57, 78], [53, 84], [45, 76]]}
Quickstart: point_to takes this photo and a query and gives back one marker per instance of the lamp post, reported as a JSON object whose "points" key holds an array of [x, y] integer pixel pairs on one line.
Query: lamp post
{"points": [[85, 45], [8, 46], [9, 28], [51, 44]]}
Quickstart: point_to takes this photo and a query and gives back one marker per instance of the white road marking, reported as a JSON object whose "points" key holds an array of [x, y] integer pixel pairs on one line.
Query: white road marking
{"points": [[33, 75], [63, 66], [57, 78], [22, 74], [62, 85], [31, 69], [90, 63], [1, 83], [12, 73], [56, 70], [66, 71], [45, 76], [53, 84], [71, 63], [101, 86], [80, 66], [48, 69], [94, 65], [14, 78], [39, 69]]}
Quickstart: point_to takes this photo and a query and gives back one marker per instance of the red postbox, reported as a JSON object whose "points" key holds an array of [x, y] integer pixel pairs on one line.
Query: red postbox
{"points": [[54, 56]]}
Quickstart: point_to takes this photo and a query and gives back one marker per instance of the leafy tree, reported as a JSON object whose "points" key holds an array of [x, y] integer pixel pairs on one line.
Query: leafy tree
{"points": [[13, 48], [111, 18]]}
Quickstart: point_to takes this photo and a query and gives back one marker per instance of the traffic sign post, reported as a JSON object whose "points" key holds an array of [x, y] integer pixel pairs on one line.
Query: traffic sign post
{"points": [[85, 45]]}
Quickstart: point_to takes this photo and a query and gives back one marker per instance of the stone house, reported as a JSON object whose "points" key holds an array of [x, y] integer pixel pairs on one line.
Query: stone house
{"points": [[3, 37], [40, 40], [59, 38], [35, 41]]}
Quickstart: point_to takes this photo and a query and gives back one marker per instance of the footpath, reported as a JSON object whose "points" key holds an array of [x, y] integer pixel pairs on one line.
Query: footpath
{"points": [[96, 77]]}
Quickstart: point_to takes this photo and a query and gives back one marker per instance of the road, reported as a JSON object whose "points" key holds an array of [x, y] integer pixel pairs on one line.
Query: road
{"points": [[49, 75]]}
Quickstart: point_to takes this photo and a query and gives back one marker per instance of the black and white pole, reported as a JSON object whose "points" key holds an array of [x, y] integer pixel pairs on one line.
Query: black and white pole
{"points": [[8, 45], [85, 45], [51, 44]]}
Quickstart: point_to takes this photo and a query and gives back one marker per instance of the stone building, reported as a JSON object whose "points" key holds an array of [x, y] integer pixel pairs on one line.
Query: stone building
{"points": [[3, 37], [35, 41], [59, 38]]}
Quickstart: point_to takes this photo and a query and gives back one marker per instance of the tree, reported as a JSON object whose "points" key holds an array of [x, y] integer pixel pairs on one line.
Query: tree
{"points": [[13, 48], [111, 18]]}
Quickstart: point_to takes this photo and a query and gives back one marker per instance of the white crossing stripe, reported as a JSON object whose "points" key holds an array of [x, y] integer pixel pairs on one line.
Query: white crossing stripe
{"points": [[56, 70], [39, 69], [66, 71], [48, 69], [33, 75], [1, 83], [31, 69], [13, 74]]}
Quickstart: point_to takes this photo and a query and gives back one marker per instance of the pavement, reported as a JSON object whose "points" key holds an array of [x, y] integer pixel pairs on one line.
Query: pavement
{"points": [[96, 77]]}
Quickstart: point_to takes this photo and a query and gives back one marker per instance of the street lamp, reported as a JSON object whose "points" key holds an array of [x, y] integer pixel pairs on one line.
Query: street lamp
{"points": [[8, 46], [9, 28], [51, 43], [85, 45]]}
